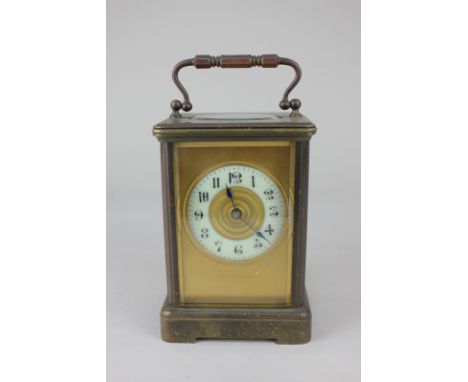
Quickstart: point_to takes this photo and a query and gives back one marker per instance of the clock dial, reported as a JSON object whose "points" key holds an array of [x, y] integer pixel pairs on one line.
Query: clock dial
{"points": [[236, 212]]}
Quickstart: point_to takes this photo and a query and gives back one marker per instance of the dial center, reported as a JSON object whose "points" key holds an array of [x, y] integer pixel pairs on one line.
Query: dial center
{"points": [[236, 213], [236, 220]]}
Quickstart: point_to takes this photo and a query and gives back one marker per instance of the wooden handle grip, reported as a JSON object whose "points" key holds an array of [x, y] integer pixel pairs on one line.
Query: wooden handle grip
{"points": [[237, 61]]}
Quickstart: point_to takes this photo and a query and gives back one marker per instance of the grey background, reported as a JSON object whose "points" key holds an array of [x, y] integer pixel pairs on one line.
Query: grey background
{"points": [[145, 40]]}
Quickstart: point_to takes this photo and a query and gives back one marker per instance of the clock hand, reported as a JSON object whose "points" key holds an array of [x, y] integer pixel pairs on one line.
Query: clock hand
{"points": [[258, 233], [231, 197], [228, 192]]}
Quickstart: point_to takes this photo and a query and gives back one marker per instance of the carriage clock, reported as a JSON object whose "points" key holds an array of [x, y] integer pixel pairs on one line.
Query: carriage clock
{"points": [[234, 192]]}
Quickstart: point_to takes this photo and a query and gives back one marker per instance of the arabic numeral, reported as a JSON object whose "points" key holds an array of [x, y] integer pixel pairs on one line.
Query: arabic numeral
{"points": [[235, 177], [203, 196], [269, 230], [215, 182], [238, 250], [204, 233], [258, 243], [274, 211], [269, 194], [198, 215]]}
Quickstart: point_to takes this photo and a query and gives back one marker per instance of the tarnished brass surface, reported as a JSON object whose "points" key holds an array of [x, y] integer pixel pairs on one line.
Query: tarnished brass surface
{"points": [[182, 321], [181, 134], [283, 325], [223, 126]]}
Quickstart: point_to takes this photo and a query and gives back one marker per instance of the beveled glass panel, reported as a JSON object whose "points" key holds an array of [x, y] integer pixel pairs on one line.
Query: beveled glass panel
{"points": [[234, 217]]}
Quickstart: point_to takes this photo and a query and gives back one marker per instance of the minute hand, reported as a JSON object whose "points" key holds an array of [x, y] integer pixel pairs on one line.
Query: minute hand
{"points": [[231, 197], [258, 233]]}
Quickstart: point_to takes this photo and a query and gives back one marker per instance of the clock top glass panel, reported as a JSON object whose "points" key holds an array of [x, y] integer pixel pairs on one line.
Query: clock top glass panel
{"points": [[230, 120]]}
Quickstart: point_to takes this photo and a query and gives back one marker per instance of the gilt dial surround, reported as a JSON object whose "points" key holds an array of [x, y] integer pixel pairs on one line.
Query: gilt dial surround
{"points": [[236, 212]]}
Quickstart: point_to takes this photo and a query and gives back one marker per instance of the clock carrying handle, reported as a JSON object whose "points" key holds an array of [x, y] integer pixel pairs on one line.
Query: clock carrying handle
{"points": [[237, 61]]}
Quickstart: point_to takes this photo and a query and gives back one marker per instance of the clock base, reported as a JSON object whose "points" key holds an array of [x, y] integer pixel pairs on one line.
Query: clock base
{"points": [[283, 325]]}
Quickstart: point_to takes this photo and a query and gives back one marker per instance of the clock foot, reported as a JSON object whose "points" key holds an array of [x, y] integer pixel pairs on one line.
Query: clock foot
{"points": [[189, 324]]}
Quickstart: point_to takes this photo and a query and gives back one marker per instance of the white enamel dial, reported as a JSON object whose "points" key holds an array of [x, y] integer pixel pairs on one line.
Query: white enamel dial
{"points": [[236, 212]]}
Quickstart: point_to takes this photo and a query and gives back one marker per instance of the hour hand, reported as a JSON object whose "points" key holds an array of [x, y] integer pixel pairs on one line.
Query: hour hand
{"points": [[229, 195], [228, 192]]}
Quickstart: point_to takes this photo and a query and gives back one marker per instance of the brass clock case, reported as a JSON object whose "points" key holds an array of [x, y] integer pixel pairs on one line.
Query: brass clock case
{"points": [[259, 298]]}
